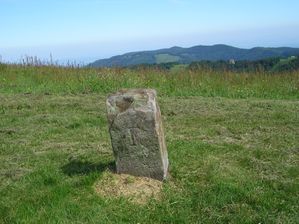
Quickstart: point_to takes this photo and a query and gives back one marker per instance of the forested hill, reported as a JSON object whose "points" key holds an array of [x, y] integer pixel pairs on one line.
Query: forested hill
{"points": [[196, 53]]}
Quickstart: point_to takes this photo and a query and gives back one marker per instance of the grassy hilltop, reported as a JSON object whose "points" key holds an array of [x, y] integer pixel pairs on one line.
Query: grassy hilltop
{"points": [[232, 140]]}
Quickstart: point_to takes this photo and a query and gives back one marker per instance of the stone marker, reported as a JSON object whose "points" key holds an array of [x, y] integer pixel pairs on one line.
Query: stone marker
{"points": [[136, 132]]}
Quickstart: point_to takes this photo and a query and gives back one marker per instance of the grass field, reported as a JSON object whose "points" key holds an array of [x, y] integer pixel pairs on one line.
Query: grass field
{"points": [[232, 142]]}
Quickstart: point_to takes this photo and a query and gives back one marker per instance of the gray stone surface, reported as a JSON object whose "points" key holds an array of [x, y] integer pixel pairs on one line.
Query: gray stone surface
{"points": [[136, 131]]}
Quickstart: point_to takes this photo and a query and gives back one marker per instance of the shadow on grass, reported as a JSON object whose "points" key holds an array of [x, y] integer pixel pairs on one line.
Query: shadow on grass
{"points": [[77, 167]]}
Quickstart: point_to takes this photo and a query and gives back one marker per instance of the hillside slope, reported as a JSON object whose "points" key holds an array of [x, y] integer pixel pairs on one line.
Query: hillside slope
{"points": [[196, 53]]}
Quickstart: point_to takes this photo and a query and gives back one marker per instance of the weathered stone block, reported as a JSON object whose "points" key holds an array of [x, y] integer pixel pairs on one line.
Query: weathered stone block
{"points": [[136, 132]]}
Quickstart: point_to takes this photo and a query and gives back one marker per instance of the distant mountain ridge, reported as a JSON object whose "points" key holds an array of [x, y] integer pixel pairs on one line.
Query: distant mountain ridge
{"points": [[196, 53]]}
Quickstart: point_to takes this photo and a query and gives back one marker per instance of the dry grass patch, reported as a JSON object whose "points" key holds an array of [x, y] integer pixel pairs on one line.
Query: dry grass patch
{"points": [[138, 190]]}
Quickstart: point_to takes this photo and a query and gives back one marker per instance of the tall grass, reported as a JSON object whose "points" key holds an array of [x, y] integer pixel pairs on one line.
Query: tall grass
{"points": [[52, 79]]}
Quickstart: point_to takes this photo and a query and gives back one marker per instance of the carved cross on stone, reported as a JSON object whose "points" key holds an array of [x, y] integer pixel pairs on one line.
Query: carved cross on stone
{"points": [[136, 132]]}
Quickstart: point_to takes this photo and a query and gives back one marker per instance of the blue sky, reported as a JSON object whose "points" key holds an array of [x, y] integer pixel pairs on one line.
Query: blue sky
{"points": [[85, 30]]}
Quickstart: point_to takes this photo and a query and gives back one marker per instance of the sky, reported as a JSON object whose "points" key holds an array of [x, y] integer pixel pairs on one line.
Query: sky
{"points": [[86, 30]]}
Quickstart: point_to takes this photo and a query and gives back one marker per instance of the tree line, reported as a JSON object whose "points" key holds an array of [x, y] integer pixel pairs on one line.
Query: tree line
{"points": [[263, 65]]}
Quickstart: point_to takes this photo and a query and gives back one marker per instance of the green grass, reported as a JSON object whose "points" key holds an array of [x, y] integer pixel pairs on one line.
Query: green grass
{"points": [[233, 157], [166, 58], [45, 80]]}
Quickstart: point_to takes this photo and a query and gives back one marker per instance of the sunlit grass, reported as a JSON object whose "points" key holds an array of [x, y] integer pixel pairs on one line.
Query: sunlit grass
{"points": [[183, 82], [232, 141]]}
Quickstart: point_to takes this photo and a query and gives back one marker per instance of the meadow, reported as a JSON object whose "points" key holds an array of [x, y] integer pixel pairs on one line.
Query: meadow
{"points": [[232, 140]]}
